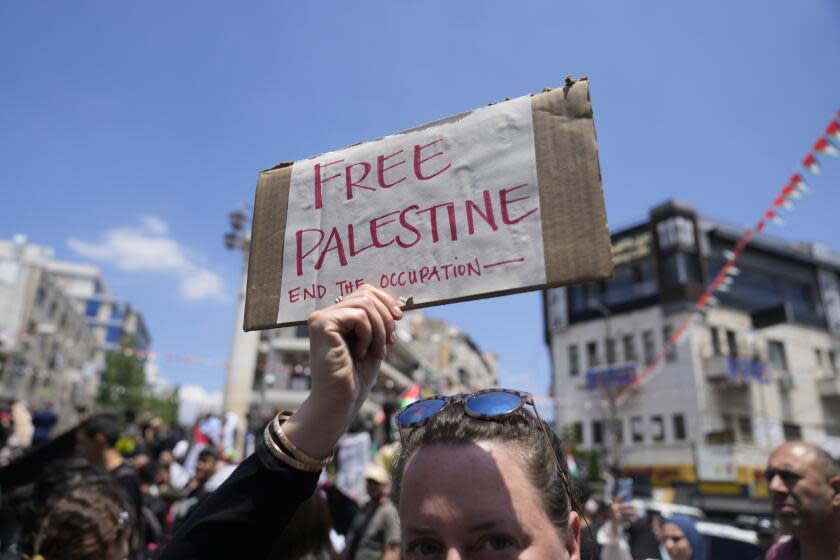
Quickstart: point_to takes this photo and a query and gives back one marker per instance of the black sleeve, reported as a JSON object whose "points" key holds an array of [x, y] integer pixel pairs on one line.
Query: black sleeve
{"points": [[247, 513]]}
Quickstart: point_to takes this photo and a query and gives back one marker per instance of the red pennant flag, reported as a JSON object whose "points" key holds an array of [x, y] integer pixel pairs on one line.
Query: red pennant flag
{"points": [[790, 192], [823, 147], [799, 183], [782, 202], [811, 164], [833, 131], [773, 217]]}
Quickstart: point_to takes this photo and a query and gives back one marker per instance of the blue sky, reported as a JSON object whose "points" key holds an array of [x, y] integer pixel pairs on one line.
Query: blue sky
{"points": [[130, 129]]}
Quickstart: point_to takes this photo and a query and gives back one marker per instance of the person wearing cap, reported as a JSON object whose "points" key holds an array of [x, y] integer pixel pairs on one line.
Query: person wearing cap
{"points": [[375, 533]]}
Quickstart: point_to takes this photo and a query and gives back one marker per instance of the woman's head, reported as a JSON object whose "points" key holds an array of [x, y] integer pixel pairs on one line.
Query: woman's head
{"points": [[681, 539], [478, 485], [87, 523]]}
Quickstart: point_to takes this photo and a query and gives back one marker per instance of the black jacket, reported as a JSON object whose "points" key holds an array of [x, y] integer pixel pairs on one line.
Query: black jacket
{"points": [[247, 513]]}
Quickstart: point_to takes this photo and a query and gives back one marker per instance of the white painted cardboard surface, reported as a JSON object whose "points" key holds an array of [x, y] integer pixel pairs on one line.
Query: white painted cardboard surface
{"points": [[490, 149]]}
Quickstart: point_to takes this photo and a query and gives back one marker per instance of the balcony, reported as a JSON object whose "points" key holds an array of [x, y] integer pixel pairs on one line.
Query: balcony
{"points": [[829, 387], [290, 344], [730, 371]]}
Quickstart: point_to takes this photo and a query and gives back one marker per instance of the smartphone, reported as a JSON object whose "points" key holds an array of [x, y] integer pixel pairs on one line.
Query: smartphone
{"points": [[625, 489]]}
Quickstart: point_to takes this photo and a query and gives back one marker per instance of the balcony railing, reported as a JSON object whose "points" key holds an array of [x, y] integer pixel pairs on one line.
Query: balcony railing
{"points": [[731, 371]]}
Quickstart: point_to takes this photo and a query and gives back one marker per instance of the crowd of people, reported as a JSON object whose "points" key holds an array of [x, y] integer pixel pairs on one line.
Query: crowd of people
{"points": [[476, 476]]}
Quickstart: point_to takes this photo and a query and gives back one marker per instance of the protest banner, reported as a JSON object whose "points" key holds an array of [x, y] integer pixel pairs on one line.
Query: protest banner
{"points": [[502, 199]]}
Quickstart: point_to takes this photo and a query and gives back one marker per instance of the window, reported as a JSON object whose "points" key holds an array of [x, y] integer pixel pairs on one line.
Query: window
{"points": [[679, 427], [577, 432], [40, 295], [716, 349], [818, 357], [745, 428], [776, 354], [657, 428], [667, 331], [648, 346], [680, 268], [731, 343], [629, 343], [637, 429], [832, 362], [792, 431], [597, 432], [574, 360], [592, 354], [113, 335], [92, 307], [611, 354], [117, 312]]}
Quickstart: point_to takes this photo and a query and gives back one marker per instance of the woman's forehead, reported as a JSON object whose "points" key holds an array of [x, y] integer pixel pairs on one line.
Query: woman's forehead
{"points": [[481, 474]]}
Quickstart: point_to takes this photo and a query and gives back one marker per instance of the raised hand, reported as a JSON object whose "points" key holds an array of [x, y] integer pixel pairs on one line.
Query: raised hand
{"points": [[347, 344]]}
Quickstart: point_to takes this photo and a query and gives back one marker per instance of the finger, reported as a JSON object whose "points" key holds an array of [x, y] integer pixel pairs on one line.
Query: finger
{"points": [[383, 296], [387, 318], [362, 331], [378, 333]]}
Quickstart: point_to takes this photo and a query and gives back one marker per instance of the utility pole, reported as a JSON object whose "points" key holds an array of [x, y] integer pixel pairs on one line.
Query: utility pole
{"points": [[610, 390]]}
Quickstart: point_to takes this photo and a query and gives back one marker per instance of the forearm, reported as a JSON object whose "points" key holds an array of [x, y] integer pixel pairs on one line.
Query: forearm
{"points": [[244, 516]]}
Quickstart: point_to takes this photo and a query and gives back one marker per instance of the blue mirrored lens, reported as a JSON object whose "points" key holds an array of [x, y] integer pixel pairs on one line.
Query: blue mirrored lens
{"points": [[419, 411], [493, 403]]}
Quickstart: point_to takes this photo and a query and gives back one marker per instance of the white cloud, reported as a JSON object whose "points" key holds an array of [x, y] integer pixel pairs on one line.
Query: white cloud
{"points": [[201, 284], [148, 248], [194, 401], [154, 224]]}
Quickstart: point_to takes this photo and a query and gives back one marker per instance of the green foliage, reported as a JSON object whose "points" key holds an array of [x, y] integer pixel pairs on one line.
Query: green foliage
{"points": [[123, 386]]}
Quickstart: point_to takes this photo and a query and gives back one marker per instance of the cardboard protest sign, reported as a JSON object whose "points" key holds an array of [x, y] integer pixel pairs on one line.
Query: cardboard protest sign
{"points": [[502, 199]]}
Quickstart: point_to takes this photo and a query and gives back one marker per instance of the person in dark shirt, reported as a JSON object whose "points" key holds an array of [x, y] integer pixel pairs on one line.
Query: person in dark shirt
{"points": [[96, 441]]}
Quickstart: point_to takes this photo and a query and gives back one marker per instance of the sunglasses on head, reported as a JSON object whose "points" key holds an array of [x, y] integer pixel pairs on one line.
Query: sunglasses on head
{"points": [[489, 404]]}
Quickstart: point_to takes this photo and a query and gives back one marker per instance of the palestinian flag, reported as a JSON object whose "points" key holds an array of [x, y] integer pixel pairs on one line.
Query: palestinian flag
{"points": [[412, 394], [823, 147], [811, 164]]}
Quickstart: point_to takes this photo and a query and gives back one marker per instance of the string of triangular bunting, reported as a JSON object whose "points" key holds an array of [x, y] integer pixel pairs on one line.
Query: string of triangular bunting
{"points": [[828, 144]]}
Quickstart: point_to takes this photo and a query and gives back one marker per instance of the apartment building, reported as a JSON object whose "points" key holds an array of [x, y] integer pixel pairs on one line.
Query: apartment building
{"points": [[47, 352], [760, 367]]}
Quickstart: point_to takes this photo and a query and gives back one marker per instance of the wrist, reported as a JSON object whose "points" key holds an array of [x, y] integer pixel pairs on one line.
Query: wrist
{"points": [[317, 425]]}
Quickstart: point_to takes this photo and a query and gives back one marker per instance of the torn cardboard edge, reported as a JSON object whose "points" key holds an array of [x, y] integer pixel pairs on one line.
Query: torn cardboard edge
{"points": [[574, 225]]}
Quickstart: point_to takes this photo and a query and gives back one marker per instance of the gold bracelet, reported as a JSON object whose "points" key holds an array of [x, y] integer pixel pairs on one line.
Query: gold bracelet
{"points": [[275, 450], [295, 452]]}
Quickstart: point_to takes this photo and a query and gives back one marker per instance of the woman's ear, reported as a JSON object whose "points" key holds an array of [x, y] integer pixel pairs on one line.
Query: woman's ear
{"points": [[573, 536]]}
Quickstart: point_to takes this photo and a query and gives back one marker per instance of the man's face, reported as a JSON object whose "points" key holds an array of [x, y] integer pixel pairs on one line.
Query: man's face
{"points": [[204, 468], [165, 458], [375, 490], [800, 492]]}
